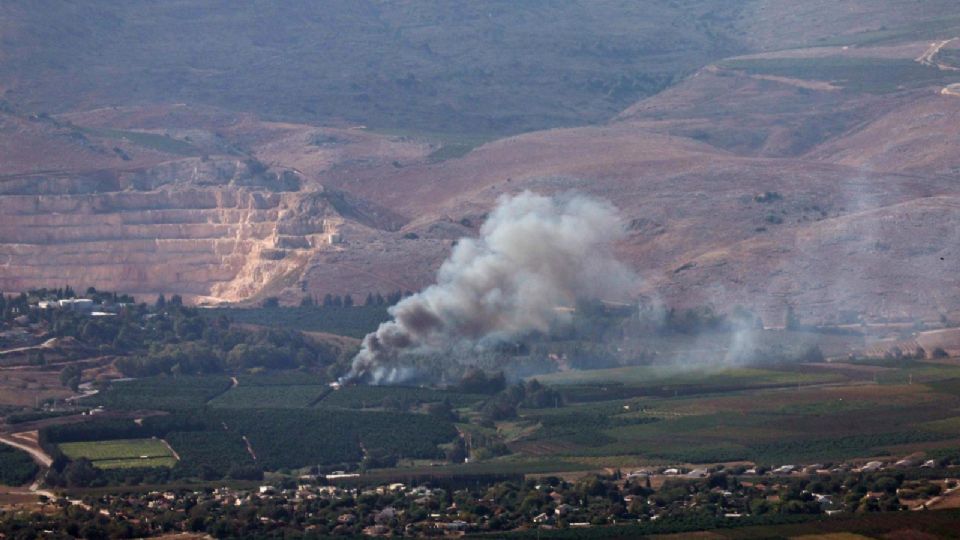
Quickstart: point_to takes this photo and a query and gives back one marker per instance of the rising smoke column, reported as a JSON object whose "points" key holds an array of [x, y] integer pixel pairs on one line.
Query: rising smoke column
{"points": [[534, 254]]}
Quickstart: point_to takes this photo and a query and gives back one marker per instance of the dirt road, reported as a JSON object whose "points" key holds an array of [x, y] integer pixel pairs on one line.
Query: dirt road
{"points": [[928, 58], [24, 442]]}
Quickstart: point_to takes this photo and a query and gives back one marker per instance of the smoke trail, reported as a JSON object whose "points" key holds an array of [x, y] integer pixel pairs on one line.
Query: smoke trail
{"points": [[534, 254]]}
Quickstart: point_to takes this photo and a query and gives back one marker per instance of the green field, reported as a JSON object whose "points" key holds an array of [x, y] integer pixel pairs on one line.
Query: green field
{"points": [[273, 396], [122, 453], [401, 397], [165, 393], [870, 75], [355, 321], [768, 416], [676, 376]]}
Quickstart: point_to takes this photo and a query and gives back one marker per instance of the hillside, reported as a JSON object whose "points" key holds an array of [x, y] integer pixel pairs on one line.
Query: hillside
{"points": [[768, 154], [442, 67]]}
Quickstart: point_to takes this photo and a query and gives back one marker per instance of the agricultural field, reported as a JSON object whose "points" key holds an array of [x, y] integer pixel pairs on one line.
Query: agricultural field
{"points": [[122, 453], [296, 438], [269, 397], [400, 397], [216, 451], [281, 378], [869, 75], [213, 440], [162, 393], [774, 417], [355, 321], [673, 381]]}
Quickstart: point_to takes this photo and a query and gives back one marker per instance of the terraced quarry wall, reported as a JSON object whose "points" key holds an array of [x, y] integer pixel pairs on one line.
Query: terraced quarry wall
{"points": [[223, 241]]}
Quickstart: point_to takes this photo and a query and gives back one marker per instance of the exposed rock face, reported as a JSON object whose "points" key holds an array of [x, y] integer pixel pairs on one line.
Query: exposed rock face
{"points": [[223, 228]]}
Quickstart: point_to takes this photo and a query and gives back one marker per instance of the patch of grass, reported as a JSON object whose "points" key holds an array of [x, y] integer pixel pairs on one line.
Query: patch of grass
{"points": [[949, 426], [135, 463], [939, 28], [867, 75], [122, 453], [153, 141]]}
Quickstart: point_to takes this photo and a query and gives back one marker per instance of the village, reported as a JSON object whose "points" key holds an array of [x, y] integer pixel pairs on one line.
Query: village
{"points": [[338, 504]]}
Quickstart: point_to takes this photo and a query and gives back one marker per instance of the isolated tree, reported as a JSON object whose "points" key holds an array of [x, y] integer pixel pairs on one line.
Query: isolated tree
{"points": [[70, 377], [161, 302], [348, 301]]}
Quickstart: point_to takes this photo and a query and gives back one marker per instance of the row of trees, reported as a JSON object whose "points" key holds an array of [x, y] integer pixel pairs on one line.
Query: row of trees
{"points": [[331, 300]]}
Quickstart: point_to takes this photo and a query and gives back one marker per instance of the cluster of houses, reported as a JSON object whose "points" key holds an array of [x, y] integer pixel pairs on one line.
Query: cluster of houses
{"points": [[302, 498], [311, 503], [804, 470], [83, 305]]}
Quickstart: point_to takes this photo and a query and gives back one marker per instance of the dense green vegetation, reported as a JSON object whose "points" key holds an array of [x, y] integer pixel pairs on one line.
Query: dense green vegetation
{"points": [[394, 397], [31, 416], [281, 378], [273, 396], [163, 392], [212, 454], [356, 321], [763, 426], [210, 443], [16, 466], [297, 438], [672, 381], [169, 338]]}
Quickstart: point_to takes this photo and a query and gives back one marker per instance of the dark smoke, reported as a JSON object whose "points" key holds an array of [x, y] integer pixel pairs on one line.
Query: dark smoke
{"points": [[534, 254]]}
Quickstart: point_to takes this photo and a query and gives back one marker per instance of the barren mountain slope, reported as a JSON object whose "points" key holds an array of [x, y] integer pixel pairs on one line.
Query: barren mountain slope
{"points": [[687, 202], [893, 262], [919, 137], [811, 178]]}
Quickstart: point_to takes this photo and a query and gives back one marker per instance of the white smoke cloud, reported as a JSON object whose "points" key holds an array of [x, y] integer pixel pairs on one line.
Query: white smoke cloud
{"points": [[534, 254]]}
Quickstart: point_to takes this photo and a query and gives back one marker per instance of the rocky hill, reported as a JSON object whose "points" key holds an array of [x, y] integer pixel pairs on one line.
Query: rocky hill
{"points": [[814, 168]]}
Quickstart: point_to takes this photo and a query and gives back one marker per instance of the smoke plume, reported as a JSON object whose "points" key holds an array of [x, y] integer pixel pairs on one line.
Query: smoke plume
{"points": [[534, 254]]}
